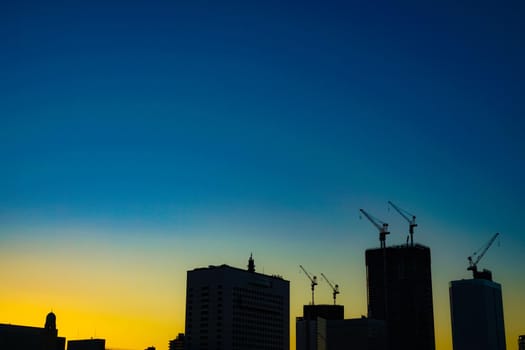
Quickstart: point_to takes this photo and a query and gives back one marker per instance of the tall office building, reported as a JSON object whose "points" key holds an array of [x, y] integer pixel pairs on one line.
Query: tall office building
{"points": [[306, 326], [476, 309], [237, 309], [399, 291]]}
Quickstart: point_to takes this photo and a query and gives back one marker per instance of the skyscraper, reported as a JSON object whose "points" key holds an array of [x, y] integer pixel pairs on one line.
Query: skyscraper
{"points": [[399, 288], [476, 309], [237, 309]]}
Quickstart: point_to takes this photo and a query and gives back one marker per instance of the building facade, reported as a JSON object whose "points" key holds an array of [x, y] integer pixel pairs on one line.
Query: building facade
{"points": [[231, 308], [306, 326], [355, 334], [399, 291], [476, 310]]}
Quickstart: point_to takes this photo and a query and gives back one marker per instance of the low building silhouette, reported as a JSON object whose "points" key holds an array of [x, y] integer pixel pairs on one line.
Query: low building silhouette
{"points": [[32, 338], [306, 326], [236, 309], [356, 334], [86, 344], [177, 343]]}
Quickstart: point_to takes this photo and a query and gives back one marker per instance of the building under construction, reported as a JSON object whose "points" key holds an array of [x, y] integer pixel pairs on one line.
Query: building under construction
{"points": [[476, 308], [399, 291]]}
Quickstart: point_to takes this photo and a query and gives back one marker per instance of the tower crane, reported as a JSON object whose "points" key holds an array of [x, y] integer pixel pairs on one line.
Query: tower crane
{"points": [[408, 217], [474, 259], [313, 281], [335, 289], [380, 225]]}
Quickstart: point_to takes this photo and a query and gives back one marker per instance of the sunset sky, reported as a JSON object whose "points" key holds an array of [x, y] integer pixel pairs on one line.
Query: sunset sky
{"points": [[142, 139]]}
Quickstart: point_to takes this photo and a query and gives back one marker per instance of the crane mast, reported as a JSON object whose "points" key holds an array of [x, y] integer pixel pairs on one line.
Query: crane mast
{"points": [[473, 260], [313, 281], [335, 289], [408, 217], [381, 226]]}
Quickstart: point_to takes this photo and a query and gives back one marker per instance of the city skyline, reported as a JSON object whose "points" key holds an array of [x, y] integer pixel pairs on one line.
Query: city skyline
{"points": [[141, 141]]}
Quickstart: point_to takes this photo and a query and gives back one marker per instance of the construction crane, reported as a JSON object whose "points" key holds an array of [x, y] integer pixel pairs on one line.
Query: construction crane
{"points": [[474, 259], [312, 279], [380, 225], [335, 289], [408, 217]]}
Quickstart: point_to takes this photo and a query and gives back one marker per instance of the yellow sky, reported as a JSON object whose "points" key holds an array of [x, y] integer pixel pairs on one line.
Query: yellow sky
{"points": [[133, 294]]}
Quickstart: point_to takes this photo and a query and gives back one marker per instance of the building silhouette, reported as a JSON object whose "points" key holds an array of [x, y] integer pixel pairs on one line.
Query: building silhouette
{"points": [[86, 344], [306, 326], [32, 338], [476, 309], [356, 334], [237, 309], [399, 291], [177, 343], [521, 342]]}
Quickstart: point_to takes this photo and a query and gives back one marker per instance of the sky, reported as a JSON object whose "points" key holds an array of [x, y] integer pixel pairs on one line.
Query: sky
{"points": [[142, 139]]}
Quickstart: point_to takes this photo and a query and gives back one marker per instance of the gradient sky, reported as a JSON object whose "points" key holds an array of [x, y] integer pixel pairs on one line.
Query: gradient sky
{"points": [[139, 140]]}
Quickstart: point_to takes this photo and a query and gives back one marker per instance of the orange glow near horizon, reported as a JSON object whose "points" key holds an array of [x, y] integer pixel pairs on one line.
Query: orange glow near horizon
{"points": [[133, 294]]}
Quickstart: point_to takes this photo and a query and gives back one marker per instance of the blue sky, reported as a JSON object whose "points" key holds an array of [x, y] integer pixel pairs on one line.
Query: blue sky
{"points": [[279, 119]]}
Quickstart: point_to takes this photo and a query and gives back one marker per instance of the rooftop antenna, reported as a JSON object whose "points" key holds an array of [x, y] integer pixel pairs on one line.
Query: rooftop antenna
{"points": [[251, 264]]}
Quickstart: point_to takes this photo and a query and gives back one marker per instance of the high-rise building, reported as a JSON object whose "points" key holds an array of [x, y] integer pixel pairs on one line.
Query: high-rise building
{"points": [[237, 309], [32, 338], [306, 326], [399, 291], [521, 342], [476, 309]]}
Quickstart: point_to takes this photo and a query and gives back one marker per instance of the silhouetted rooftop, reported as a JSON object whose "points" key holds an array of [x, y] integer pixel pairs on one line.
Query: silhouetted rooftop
{"points": [[402, 246], [224, 266]]}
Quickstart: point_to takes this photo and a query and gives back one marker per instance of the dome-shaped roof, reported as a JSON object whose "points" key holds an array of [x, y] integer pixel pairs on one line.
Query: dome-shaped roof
{"points": [[51, 321]]}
